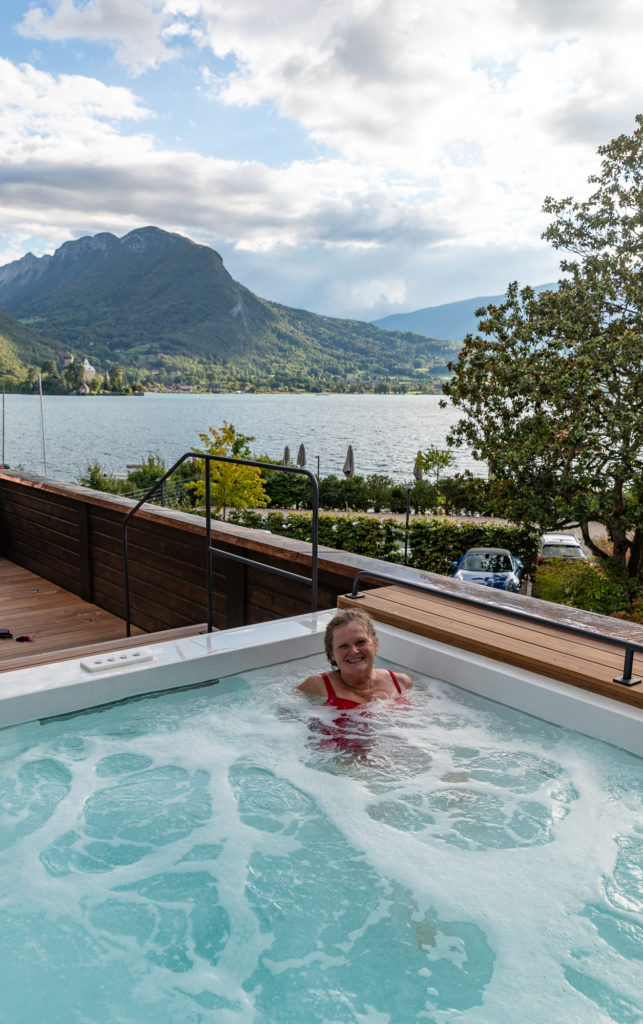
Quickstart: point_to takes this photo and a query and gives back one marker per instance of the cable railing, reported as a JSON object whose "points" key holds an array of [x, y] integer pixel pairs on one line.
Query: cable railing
{"points": [[210, 550], [170, 493], [630, 646]]}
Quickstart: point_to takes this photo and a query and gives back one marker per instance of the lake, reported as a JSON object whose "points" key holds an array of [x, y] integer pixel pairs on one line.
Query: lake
{"points": [[385, 431]]}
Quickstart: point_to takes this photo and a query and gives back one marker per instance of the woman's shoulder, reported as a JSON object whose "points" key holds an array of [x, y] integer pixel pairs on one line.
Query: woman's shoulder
{"points": [[314, 684], [406, 683]]}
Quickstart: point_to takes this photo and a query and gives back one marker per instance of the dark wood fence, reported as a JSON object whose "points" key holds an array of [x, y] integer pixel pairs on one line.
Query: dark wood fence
{"points": [[73, 536]]}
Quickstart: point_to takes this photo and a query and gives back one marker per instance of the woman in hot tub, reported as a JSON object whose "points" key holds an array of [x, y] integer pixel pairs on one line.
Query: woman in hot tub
{"points": [[351, 646]]}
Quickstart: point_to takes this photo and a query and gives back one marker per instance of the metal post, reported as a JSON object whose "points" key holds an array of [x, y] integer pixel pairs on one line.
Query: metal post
{"points": [[409, 488], [42, 424], [208, 541], [317, 457], [627, 679]]}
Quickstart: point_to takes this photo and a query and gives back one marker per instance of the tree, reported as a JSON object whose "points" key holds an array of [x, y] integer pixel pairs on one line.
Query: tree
{"points": [[115, 378], [552, 386], [378, 491], [433, 459], [230, 486], [74, 375]]}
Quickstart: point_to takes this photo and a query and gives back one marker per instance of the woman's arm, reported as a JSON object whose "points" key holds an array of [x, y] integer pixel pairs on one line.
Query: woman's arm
{"points": [[313, 685], [405, 681]]}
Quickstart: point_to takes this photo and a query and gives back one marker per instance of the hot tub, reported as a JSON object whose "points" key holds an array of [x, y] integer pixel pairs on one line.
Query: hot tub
{"points": [[225, 850]]}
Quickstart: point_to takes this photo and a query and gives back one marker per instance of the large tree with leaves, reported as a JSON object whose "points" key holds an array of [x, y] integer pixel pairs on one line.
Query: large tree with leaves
{"points": [[552, 384]]}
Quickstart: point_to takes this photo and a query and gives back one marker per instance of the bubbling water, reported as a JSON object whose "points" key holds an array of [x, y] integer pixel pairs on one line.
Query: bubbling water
{"points": [[242, 854]]}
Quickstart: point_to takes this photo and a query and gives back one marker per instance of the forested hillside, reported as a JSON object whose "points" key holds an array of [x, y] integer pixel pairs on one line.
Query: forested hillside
{"points": [[160, 307]]}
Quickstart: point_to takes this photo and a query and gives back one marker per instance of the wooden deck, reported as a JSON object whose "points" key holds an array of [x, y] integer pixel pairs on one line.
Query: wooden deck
{"points": [[62, 625], [581, 661]]}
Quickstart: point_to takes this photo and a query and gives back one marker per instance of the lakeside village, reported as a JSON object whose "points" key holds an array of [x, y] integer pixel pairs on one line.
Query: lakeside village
{"points": [[80, 377]]}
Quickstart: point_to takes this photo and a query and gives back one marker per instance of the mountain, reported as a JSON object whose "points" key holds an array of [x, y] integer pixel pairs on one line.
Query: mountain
{"points": [[452, 320], [154, 300], [20, 346]]}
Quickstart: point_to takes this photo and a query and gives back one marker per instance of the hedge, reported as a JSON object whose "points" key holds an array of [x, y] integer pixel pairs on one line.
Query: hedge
{"points": [[433, 543]]}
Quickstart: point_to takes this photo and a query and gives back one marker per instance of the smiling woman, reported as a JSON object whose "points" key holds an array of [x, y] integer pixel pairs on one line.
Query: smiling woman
{"points": [[351, 645]]}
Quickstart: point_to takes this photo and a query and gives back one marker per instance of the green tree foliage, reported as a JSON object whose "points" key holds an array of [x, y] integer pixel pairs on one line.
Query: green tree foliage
{"points": [[286, 490], [148, 471], [434, 543], [230, 486], [552, 386], [74, 375], [115, 378], [95, 478], [597, 587], [424, 497], [434, 459], [378, 488]]}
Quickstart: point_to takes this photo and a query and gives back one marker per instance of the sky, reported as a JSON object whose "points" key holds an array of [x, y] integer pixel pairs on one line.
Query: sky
{"points": [[352, 157]]}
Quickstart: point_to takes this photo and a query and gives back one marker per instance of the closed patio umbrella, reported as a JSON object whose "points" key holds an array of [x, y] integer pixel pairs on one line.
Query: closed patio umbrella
{"points": [[286, 459], [301, 456], [349, 465]]}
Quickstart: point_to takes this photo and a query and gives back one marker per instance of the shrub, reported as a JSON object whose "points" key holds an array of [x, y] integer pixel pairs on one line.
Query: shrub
{"points": [[378, 490], [287, 489], [330, 492], [594, 586], [436, 543], [95, 478], [424, 497]]}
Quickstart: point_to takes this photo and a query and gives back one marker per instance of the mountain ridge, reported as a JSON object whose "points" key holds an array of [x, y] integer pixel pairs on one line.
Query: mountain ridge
{"points": [[452, 320], [157, 301]]}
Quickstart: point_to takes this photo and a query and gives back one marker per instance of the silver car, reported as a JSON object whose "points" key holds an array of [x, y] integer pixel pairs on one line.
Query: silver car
{"points": [[559, 545]]}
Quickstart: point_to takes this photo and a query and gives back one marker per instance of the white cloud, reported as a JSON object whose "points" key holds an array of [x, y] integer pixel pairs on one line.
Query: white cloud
{"points": [[136, 29], [440, 127]]}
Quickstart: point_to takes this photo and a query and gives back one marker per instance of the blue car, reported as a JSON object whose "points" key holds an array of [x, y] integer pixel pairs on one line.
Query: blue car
{"points": [[492, 567]]}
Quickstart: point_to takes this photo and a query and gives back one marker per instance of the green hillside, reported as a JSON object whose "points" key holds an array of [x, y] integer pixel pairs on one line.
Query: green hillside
{"points": [[157, 303], [20, 347]]}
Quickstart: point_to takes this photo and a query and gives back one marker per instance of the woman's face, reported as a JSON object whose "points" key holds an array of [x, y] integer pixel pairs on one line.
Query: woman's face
{"points": [[354, 649]]}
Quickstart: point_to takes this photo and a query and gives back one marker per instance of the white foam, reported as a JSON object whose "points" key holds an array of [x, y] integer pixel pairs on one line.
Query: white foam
{"points": [[527, 900]]}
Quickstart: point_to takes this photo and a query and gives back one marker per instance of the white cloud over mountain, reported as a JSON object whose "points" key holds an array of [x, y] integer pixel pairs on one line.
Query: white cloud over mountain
{"points": [[432, 131]]}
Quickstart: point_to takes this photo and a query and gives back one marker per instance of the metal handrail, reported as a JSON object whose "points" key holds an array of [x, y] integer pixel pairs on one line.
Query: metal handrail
{"points": [[627, 679], [313, 579]]}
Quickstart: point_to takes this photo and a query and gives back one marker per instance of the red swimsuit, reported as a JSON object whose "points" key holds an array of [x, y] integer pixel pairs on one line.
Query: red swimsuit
{"points": [[341, 702]]}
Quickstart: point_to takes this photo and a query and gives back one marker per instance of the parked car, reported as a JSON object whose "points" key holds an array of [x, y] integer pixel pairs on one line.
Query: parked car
{"points": [[559, 545], [491, 567]]}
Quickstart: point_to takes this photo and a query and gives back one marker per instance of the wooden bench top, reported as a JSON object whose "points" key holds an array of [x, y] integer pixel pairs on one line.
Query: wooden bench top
{"points": [[549, 651]]}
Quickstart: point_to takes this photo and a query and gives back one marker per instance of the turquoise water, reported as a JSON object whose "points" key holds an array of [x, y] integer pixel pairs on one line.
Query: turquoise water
{"points": [[236, 854]]}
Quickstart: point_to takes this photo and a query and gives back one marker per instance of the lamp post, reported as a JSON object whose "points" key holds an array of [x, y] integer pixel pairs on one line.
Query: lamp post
{"points": [[409, 488]]}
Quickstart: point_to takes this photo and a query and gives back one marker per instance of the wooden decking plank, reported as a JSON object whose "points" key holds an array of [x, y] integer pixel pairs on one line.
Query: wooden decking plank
{"points": [[503, 625], [497, 622], [494, 622], [583, 662], [523, 651], [57, 619]]}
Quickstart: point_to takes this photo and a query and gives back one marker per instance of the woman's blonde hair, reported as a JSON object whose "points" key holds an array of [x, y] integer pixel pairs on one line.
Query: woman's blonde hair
{"points": [[342, 619]]}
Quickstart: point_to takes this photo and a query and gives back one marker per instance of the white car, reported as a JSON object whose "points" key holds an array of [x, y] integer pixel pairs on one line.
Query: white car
{"points": [[559, 545]]}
